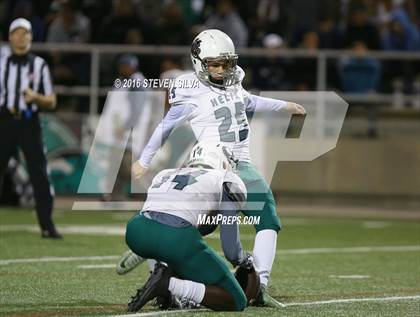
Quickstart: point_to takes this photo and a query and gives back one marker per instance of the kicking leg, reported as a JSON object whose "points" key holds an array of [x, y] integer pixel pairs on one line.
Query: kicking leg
{"points": [[266, 237], [264, 253]]}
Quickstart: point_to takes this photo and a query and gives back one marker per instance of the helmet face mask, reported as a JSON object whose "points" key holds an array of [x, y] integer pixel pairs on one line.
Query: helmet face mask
{"points": [[214, 46], [227, 77]]}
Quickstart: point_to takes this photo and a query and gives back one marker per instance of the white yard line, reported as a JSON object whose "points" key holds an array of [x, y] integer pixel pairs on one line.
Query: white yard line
{"points": [[111, 230], [160, 312], [96, 266], [367, 249], [402, 248], [102, 230], [355, 300], [351, 277], [324, 302], [59, 259]]}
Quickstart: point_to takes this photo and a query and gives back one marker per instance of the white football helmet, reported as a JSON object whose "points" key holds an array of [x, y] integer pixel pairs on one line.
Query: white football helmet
{"points": [[215, 45], [212, 155]]}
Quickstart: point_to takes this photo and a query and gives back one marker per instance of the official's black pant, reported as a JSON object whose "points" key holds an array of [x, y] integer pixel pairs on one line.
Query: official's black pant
{"points": [[26, 134]]}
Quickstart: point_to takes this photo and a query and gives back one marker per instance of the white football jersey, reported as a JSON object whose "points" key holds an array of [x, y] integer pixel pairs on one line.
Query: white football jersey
{"points": [[217, 115], [190, 192]]}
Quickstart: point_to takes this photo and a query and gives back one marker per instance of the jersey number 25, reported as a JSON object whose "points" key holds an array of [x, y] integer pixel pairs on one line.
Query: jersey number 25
{"points": [[225, 113]]}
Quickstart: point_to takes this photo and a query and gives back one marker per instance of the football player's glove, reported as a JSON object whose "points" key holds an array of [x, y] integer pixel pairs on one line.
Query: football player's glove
{"points": [[247, 262], [138, 170]]}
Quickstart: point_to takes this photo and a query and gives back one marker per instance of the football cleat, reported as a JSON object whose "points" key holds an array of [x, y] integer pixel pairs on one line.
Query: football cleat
{"points": [[128, 261], [167, 302], [156, 285], [263, 299], [189, 304], [170, 302]]}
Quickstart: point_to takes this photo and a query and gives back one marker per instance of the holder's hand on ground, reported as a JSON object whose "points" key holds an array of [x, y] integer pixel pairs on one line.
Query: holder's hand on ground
{"points": [[138, 170], [247, 262], [294, 108]]}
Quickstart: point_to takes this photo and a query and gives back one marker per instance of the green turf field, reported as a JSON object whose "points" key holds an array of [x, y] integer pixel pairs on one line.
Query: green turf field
{"points": [[372, 266]]}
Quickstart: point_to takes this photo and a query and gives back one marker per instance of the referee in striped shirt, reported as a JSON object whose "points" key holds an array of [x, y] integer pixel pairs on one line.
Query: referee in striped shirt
{"points": [[26, 88]]}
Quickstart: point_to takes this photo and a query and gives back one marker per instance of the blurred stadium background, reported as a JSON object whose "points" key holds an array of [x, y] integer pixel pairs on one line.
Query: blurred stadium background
{"points": [[367, 51]]}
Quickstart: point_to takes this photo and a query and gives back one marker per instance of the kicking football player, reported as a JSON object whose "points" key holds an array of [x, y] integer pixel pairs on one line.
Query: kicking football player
{"points": [[166, 230], [216, 111]]}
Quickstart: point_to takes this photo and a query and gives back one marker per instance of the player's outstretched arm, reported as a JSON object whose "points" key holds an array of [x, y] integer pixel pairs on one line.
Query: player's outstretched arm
{"points": [[258, 103], [295, 108], [175, 115]]}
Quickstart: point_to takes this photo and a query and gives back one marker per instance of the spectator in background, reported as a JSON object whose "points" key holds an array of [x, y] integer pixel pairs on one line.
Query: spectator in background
{"points": [[25, 9], [359, 74], [330, 36], [401, 33], [301, 16], [268, 13], [107, 71], [133, 37], [227, 19], [123, 19], [171, 27], [70, 26], [265, 17], [359, 29], [193, 11], [96, 11], [122, 26], [380, 11], [310, 41], [149, 11], [304, 70], [269, 73], [171, 68]]}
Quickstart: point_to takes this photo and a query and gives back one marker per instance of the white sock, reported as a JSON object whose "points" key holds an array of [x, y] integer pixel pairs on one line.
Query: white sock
{"points": [[264, 253], [151, 264], [187, 289]]}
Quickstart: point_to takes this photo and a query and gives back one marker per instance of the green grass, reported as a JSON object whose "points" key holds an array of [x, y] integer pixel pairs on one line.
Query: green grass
{"points": [[65, 289]]}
